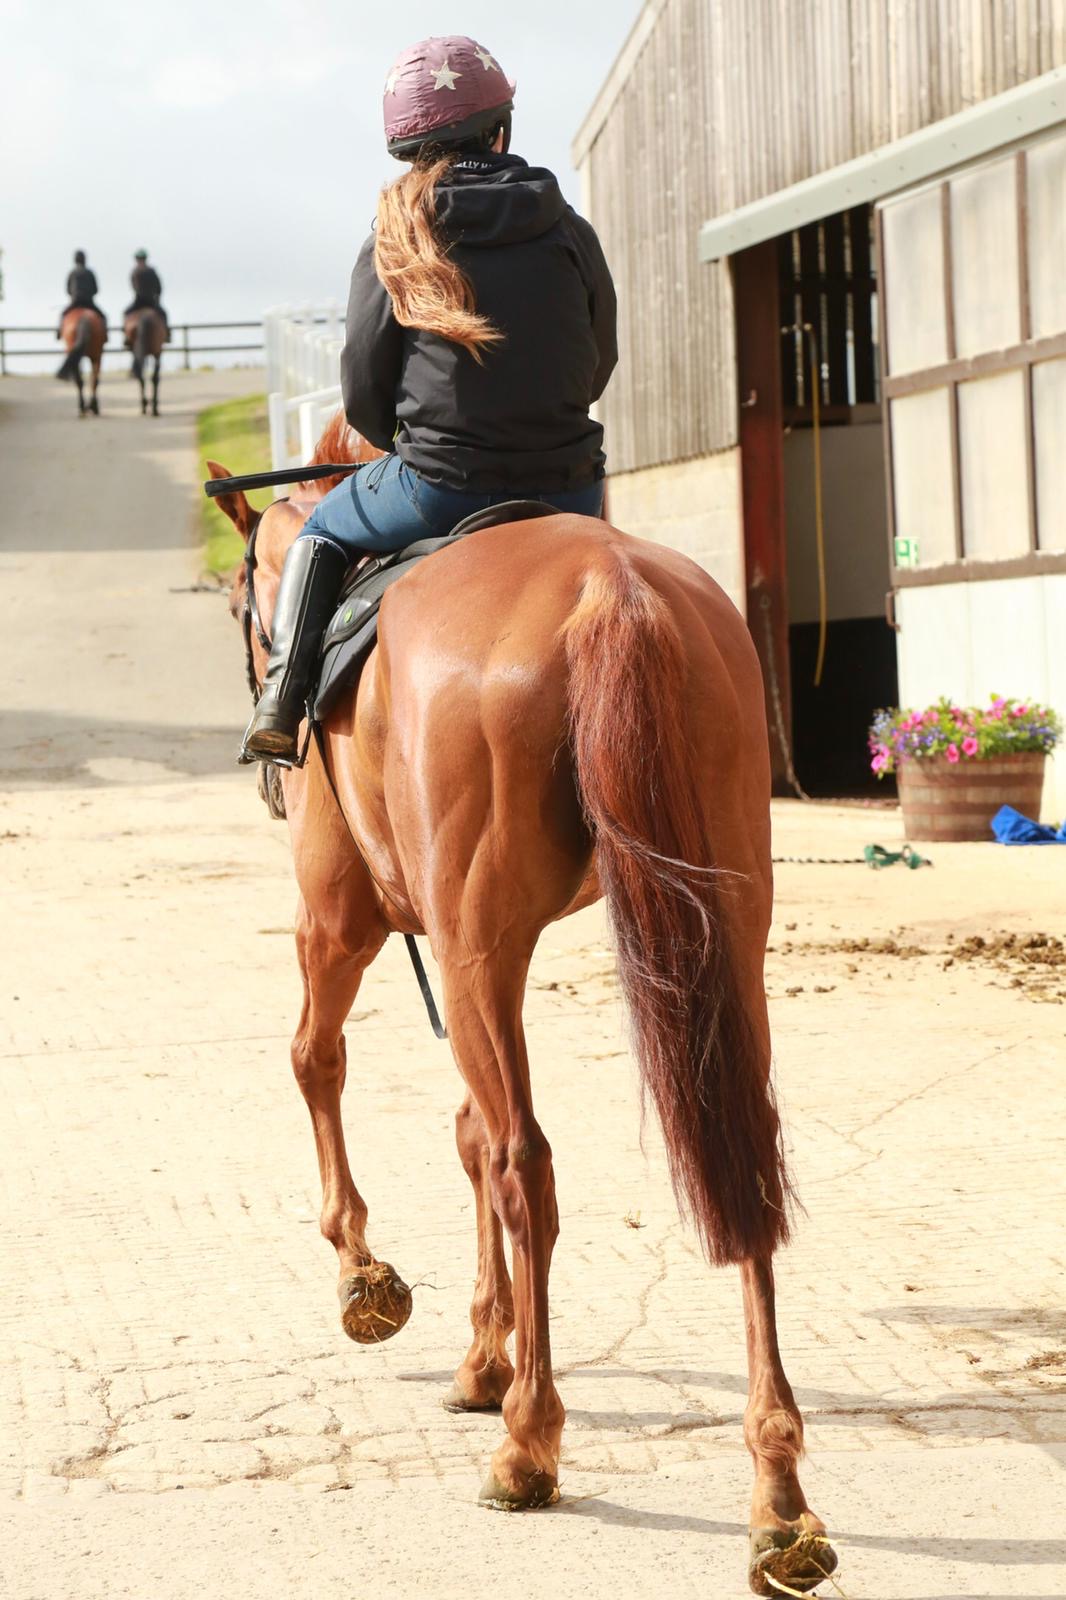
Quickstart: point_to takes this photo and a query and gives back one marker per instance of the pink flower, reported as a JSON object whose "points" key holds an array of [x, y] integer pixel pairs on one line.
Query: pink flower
{"points": [[952, 752], [969, 746], [879, 761], [932, 716], [1019, 711]]}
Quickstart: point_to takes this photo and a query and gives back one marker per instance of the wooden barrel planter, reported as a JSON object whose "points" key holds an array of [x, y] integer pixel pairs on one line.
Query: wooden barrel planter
{"points": [[954, 802]]}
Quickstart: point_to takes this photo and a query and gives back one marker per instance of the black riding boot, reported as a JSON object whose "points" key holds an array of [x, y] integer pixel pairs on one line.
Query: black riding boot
{"points": [[307, 596]]}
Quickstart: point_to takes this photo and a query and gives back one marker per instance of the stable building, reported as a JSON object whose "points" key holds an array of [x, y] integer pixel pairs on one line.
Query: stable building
{"points": [[839, 247]]}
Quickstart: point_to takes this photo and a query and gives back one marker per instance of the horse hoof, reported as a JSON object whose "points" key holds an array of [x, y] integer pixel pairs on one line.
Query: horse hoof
{"points": [[530, 1491], [483, 1396], [375, 1303], [456, 1402], [797, 1561]]}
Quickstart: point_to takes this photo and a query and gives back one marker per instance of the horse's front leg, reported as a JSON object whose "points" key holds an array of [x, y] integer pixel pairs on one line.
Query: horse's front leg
{"points": [[788, 1541], [486, 1373], [334, 950], [483, 997]]}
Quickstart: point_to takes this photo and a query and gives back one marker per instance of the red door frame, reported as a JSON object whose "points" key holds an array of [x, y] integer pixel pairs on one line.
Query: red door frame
{"points": [[756, 298]]}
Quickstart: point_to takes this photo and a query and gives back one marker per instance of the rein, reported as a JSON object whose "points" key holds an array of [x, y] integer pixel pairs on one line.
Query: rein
{"points": [[252, 621], [250, 617]]}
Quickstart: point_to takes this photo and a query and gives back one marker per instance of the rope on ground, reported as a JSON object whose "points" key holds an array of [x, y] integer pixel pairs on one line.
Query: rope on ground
{"points": [[873, 855]]}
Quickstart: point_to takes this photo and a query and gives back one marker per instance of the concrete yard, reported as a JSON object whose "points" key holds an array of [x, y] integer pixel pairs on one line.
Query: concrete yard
{"points": [[180, 1413]]}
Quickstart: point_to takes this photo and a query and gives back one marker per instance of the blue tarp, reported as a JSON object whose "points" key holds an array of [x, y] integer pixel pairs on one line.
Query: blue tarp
{"points": [[1010, 827]]}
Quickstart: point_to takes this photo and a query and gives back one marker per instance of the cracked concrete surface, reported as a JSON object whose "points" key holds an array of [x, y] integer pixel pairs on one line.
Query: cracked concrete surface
{"points": [[179, 1411]]}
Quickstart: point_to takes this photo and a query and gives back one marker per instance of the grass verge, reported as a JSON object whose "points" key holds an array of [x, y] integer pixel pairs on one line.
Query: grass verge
{"points": [[237, 435]]}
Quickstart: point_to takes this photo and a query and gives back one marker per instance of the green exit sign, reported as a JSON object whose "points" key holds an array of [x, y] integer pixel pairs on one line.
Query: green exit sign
{"points": [[906, 552]]}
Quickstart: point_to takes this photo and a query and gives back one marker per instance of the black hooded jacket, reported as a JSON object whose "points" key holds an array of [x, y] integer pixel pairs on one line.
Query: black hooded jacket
{"points": [[521, 419]]}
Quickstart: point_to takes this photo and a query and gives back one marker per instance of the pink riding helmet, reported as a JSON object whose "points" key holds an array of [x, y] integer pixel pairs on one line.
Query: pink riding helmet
{"points": [[443, 91]]}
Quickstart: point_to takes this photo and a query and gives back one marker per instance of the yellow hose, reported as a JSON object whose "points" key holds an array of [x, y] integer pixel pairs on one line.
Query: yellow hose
{"points": [[819, 526]]}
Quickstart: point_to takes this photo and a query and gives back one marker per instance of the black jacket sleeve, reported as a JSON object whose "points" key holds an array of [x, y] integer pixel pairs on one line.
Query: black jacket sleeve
{"points": [[603, 304], [372, 358], [91, 280], [70, 284]]}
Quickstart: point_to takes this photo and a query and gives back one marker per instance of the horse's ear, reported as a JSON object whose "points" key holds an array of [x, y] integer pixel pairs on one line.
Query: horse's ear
{"points": [[235, 505]]}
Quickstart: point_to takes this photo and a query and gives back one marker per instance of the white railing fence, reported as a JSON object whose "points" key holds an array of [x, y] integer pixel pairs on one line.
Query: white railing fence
{"points": [[302, 347]]}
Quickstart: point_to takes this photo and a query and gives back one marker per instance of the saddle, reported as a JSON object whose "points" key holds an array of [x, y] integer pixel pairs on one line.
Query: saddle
{"points": [[353, 631]]}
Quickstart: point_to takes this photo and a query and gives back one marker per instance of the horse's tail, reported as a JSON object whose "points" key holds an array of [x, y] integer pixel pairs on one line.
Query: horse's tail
{"points": [[82, 340], [142, 343], [699, 1052]]}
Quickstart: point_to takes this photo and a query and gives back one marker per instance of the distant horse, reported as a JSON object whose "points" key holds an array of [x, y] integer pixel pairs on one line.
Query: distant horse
{"points": [[84, 333], [553, 711], [145, 331]]}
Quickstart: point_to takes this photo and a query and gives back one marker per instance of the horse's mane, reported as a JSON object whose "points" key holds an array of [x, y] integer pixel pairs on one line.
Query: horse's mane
{"points": [[338, 442]]}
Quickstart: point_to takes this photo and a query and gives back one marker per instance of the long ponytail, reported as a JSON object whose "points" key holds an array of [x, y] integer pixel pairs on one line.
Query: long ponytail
{"points": [[427, 289]]}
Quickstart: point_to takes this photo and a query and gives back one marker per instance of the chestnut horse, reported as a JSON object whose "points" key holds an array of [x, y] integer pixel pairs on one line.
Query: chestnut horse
{"points": [[553, 711], [144, 332], [83, 333]]}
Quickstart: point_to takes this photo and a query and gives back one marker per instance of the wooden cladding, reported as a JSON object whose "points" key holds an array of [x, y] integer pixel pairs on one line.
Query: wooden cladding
{"points": [[721, 102]]}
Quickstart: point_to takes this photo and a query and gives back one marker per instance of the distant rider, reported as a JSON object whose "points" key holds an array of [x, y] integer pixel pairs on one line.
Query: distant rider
{"points": [[147, 287], [82, 290]]}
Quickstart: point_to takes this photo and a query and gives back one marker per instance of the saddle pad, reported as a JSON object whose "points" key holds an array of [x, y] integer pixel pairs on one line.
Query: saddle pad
{"points": [[352, 633]]}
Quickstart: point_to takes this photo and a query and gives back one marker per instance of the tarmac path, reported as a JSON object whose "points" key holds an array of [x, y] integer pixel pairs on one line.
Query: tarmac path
{"points": [[179, 1412]]}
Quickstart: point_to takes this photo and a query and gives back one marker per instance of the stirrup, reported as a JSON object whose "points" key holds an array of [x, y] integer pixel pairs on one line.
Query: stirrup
{"points": [[248, 758]]}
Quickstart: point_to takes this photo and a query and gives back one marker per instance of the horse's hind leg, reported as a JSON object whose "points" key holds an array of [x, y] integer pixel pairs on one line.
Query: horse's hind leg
{"points": [[788, 1541], [94, 404], [334, 953], [155, 388], [486, 1373], [484, 1002], [81, 392]]}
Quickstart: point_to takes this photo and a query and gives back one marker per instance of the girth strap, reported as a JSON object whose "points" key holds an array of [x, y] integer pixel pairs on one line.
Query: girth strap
{"points": [[421, 975]]}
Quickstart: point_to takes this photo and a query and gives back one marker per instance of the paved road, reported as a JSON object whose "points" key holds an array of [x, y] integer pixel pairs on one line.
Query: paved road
{"points": [[179, 1412]]}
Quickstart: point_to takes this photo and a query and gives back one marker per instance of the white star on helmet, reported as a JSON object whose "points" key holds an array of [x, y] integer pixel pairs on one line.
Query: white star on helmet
{"points": [[445, 78], [487, 61]]}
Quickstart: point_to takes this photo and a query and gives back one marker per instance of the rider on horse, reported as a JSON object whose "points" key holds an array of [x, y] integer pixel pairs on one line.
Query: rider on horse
{"points": [[480, 330], [147, 287], [82, 290]]}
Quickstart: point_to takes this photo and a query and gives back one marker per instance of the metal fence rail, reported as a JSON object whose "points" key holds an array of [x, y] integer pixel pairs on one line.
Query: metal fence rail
{"points": [[178, 346]]}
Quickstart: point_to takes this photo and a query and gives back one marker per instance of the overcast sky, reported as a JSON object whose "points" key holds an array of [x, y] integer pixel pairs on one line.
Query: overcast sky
{"points": [[240, 141]]}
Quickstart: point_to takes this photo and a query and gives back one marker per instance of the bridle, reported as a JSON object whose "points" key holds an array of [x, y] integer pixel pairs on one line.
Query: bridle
{"points": [[251, 620]]}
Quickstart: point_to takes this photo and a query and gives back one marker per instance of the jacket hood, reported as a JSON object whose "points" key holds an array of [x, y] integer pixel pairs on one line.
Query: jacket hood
{"points": [[497, 200]]}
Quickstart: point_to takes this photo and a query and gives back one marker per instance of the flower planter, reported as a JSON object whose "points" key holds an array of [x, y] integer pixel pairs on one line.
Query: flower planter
{"points": [[955, 801]]}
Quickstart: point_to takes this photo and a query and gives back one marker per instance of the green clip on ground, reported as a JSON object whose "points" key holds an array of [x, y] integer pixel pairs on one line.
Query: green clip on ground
{"points": [[876, 856]]}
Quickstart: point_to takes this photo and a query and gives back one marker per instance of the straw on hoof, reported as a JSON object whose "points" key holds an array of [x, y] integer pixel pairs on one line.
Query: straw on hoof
{"points": [[791, 1568], [375, 1303]]}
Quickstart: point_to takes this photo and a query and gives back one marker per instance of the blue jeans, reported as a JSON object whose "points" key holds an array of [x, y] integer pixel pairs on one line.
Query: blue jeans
{"points": [[385, 505]]}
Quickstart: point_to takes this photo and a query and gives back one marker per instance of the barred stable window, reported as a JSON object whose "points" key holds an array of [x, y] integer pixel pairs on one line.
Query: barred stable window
{"points": [[974, 353], [827, 285]]}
